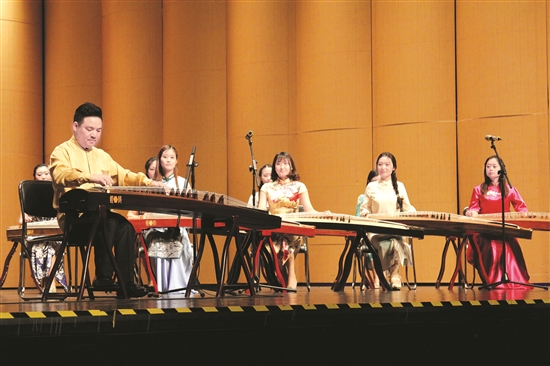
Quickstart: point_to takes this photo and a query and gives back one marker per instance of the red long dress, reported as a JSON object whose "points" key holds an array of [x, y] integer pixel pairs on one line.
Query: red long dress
{"points": [[491, 246]]}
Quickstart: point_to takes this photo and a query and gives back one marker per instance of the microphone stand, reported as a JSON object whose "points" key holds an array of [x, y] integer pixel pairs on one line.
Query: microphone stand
{"points": [[504, 279], [190, 171], [191, 165], [254, 170]]}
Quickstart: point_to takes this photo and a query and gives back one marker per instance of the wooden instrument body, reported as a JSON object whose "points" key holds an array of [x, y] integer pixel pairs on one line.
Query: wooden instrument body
{"points": [[446, 224], [532, 220], [13, 233], [80, 200]]}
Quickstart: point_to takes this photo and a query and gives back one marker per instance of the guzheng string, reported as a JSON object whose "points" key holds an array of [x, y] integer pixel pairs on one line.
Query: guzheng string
{"points": [[194, 194]]}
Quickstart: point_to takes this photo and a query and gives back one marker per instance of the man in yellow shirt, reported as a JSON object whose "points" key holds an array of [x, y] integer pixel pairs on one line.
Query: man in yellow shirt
{"points": [[77, 163]]}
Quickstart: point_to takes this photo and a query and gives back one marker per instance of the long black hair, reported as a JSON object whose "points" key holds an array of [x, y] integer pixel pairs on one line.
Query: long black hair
{"points": [[399, 203], [488, 182], [160, 170]]}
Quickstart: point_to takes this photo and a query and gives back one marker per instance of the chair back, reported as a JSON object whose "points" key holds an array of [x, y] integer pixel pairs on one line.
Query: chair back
{"points": [[36, 198]]}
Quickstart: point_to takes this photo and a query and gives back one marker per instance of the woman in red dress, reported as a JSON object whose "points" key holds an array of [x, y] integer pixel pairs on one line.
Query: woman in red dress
{"points": [[486, 199]]}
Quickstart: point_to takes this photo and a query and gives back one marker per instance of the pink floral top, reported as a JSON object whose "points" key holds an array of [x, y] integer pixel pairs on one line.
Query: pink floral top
{"points": [[491, 202], [283, 197]]}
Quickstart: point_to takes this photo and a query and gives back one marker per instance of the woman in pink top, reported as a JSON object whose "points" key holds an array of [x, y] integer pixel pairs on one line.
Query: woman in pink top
{"points": [[486, 199]]}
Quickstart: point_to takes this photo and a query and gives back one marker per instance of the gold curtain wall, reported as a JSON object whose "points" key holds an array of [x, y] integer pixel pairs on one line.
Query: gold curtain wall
{"points": [[21, 103]]}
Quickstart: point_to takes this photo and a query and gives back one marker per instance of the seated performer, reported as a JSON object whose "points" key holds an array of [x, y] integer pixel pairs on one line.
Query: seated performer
{"points": [[284, 195], [172, 273], [388, 195], [265, 177], [486, 199], [78, 163], [372, 177], [43, 254]]}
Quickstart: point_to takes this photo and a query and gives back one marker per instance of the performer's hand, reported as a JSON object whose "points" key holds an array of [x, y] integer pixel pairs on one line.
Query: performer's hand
{"points": [[102, 179], [471, 213], [160, 184]]}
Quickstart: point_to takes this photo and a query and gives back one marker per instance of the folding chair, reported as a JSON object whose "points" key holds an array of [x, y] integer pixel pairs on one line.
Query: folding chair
{"points": [[35, 199]]}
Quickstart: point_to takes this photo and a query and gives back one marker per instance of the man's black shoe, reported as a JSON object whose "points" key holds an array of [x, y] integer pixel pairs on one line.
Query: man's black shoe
{"points": [[105, 284], [132, 290]]}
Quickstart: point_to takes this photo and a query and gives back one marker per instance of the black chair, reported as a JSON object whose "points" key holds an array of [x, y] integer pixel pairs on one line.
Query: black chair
{"points": [[35, 198], [80, 231]]}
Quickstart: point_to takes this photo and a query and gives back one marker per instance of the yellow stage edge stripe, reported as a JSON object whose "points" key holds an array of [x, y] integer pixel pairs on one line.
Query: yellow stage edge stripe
{"points": [[35, 314], [210, 309], [66, 313], [260, 308], [127, 311], [97, 313], [285, 307], [155, 311], [183, 310]]}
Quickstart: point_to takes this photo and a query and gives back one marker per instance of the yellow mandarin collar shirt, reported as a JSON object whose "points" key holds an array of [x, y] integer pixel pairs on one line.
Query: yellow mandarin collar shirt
{"points": [[72, 167]]}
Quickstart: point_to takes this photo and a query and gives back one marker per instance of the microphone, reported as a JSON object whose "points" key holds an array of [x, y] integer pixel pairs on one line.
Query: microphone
{"points": [[192, 158], [492, 138], [249, 135]]}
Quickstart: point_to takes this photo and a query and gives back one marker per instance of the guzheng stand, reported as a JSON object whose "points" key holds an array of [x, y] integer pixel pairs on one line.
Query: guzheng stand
{"points": [[97, 221], [354, 229], [230, 229], [217, 214], [207, 227], [262, 239]]}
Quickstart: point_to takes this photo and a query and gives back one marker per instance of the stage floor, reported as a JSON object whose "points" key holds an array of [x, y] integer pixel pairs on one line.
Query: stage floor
{"points": [[426, 295], [321, 327]]}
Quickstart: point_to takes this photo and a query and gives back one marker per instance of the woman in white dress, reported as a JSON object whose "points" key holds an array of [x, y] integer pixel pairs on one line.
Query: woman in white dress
{"points": [[388, 195], [172, 275]]}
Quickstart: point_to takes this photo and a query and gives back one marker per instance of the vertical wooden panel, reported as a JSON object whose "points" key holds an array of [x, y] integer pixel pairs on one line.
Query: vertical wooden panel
{"points": [[21, 120], [73, 64], [502, 90], [333, 101], [132, 80], [194, 90], [259, 86], [194, 87], [414, 107], [333, 112]]}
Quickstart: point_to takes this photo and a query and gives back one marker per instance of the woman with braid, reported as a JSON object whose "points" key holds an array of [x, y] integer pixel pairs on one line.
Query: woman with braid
{"points": [[388, 195]]}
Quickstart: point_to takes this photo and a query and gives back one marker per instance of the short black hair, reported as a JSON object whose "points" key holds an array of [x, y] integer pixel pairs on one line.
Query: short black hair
{"points": [[87, 110], [36, 168]]}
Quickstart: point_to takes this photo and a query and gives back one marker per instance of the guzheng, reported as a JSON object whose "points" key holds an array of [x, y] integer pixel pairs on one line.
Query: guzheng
{"points": [[355, 229], [37, 228], [151, 199], [531, 220], [336, 221], [447, 224], [152, 220]]}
